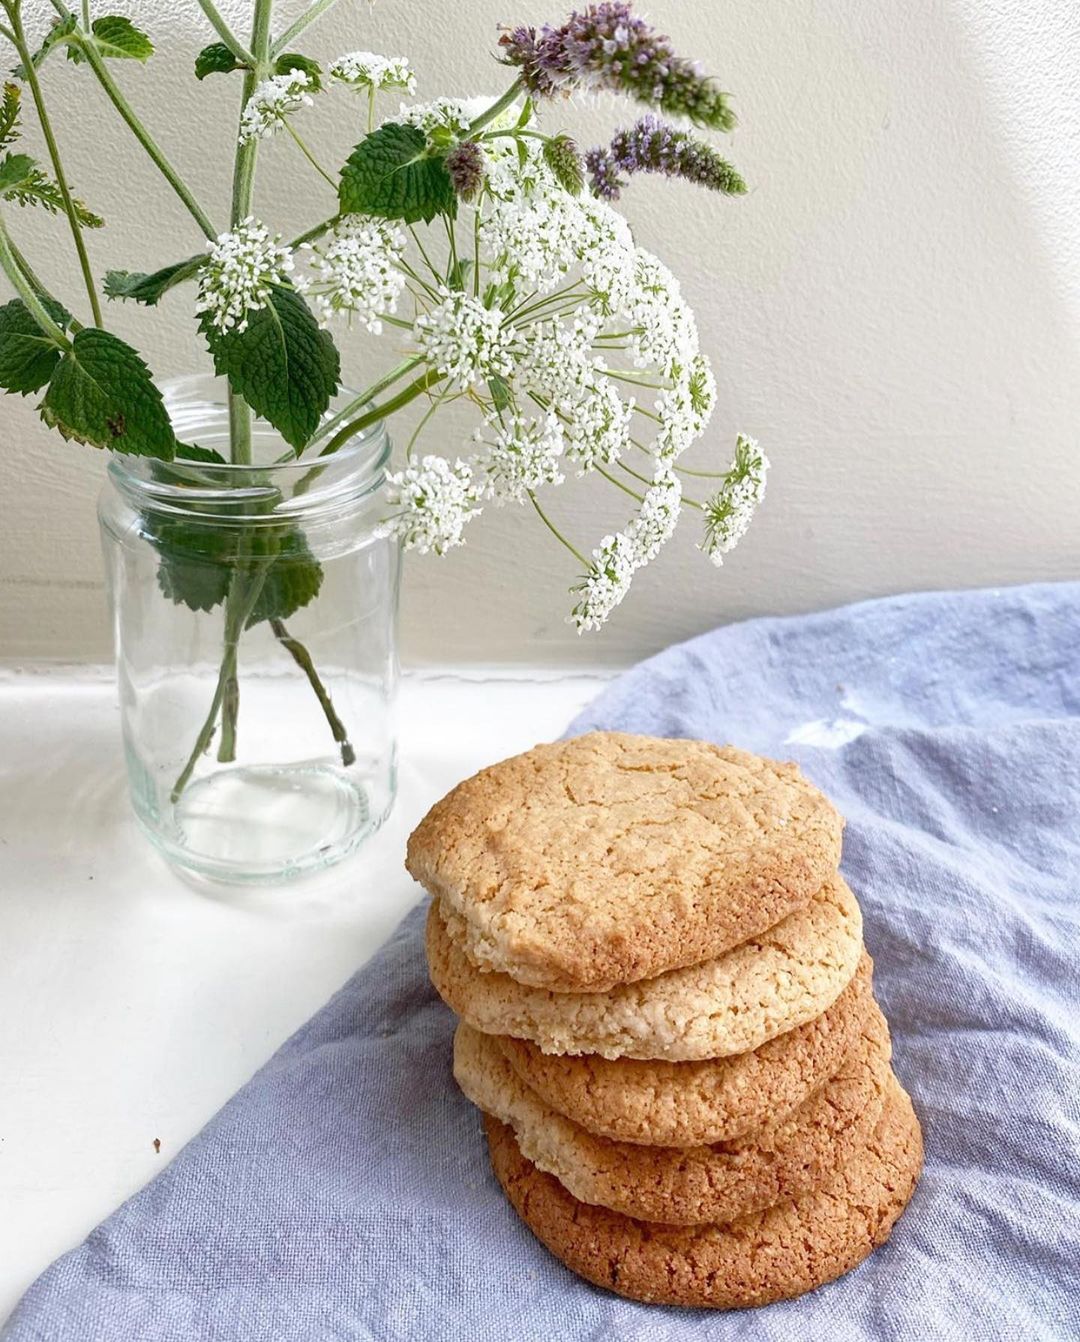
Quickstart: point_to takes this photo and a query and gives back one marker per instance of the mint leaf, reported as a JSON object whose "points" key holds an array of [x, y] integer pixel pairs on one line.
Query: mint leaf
{"points": [[215, 59], [27, 355], [117, 37], [292, 60], [193, 452], [390, 173], [22, 181], [149, 288], [292, 580], [9, 114], [283, 364], [102, 393], [194, 560], [59, 32]]}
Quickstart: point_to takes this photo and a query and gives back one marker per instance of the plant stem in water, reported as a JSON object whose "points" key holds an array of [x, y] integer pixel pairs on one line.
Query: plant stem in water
{"points": [[302, 658]]}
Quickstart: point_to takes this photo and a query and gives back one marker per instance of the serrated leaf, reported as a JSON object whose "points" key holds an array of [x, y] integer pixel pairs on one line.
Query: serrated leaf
{"points": [[283, 364], [149, 288], [216, 59], [23, 181], [9, 114], [28, 355], [102, 393], [58, 33], [292, 580], [116, 38], [193, 452], [293, 60], [391, 173], [194, 560]]}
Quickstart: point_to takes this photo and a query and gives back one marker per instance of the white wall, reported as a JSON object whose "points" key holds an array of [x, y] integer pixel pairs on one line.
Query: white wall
{"points": [[894, 310]]}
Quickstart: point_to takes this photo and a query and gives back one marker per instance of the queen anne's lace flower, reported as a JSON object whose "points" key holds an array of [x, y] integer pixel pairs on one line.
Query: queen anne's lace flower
{"points": [[434, 500], [605, 583], [356, 274], [464, 340], [368, 70], [239, 272], [729, 511], [665, 333], [684, 409], [524, 455], [656, 522], [272, 101]]}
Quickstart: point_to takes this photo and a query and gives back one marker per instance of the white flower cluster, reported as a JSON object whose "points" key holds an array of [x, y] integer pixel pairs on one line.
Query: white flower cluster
{"points": [[464, 340], [434, 500], [239, 272], [356, 274], [524, 455], [729, 511], [367, 69], [272, 101], [605, 583]]}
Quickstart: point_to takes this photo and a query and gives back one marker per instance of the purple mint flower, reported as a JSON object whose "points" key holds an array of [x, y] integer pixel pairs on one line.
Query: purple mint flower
{"points": [[606, 46], [465, 164], [651, 145]]}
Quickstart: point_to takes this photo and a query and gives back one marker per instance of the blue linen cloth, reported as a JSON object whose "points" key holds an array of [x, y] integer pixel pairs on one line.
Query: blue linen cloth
{"points": [[345, 1193]]}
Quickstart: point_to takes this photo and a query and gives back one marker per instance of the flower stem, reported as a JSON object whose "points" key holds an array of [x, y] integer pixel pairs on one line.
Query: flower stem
{"points": [[315, 232], [302, 658], [309, 16], [365, 397], [556, 532], [308, 154], [377, 412], [19, 39], [25, 289], [500, 105], [225, 33], [144, 137]]}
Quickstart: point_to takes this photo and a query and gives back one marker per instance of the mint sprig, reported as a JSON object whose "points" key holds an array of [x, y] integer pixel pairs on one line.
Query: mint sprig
{"points": [[395, 174]]}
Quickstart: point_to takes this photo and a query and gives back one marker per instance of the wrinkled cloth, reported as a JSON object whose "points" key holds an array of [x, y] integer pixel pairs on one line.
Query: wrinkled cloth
{"points": [[345, 1193]]}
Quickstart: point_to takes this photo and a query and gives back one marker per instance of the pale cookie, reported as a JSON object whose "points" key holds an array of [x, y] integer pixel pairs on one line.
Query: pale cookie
{"points": [[688, 1185], [772, 1255], [779, 980], [694, 1103], [611, 858]]}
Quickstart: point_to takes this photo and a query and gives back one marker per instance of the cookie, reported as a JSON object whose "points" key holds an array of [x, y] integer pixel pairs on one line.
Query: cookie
{"points": [[771, 1255], [688, 1185], [773, 983], [659, 1103], [612, 858]]}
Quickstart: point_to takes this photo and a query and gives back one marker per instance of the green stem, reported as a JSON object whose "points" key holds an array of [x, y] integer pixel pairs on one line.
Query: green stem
{"points": [[25, 289], [308, 154], [297, 27], [86, 14], [316, 232], [19, 39], [144, 137], [225, 32], [36, 282], [557, 533], [409, 393], [364, 398], [302, 658], [500, 105], [619, 484]]}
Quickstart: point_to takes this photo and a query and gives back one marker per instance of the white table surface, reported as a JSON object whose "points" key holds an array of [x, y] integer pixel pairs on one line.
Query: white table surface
{"points": [[132, 1006]]}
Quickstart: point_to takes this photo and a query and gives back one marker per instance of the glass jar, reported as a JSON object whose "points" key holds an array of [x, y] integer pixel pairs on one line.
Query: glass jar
{"points": [[254, 613]]}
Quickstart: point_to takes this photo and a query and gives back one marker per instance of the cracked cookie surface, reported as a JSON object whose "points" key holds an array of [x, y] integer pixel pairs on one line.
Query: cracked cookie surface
{"points": [[658, 1103], [611, 858], [771, 1255], [688, 1185], [762, 988]]}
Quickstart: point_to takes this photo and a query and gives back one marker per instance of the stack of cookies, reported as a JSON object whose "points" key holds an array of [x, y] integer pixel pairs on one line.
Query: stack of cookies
{"points": [[667, 1016]]}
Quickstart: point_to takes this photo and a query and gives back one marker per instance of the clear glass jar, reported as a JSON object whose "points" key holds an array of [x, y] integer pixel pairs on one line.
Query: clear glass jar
{"points": [[254, 613]]}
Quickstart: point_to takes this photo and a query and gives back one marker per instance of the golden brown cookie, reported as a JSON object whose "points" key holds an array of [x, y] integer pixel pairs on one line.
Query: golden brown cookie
{"points": [[611, 858], [688, 1185], [661, 1103], [779, 980], [771, 1255]]}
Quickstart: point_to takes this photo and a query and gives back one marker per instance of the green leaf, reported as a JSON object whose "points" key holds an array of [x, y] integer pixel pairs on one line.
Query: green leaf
{"points": [[216, 59], [28, 355], [193, 452], [197, 561], [60, 32], [102, 393], [391, 173], [22, 181], [149, 288], [9, 114], [500, 392], [292, 60], [283, 364], [115, 37]]}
